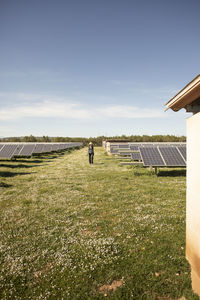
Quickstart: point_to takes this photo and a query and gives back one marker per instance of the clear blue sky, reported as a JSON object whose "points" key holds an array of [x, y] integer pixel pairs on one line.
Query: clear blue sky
{"points": [[88, 68]]}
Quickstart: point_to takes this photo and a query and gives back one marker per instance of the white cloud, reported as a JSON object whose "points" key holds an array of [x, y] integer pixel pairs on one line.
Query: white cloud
{"points": [[47, 109], [44, 106], [131, 112]]}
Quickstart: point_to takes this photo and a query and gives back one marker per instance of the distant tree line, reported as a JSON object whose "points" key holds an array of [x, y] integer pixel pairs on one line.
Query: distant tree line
{"points": [[98, 140]]}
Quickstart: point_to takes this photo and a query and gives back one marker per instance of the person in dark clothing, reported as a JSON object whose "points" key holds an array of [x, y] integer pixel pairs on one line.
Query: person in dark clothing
{"points": [[91, 153]]}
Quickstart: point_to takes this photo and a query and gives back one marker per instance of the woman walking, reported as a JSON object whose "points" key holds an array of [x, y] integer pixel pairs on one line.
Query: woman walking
{"points": [[91, 152]]}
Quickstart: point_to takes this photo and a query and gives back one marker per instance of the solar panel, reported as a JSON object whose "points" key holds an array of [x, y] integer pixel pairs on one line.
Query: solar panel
{"points": [[1, 145], [136, 156], [27, 150], [55, 147], [18, 149], [171, 156], [38, 148], [8, 150], [151, 157], [124, 146], [114, 151], [183, 151], [61, 146], [66, 146], [47, 148], [135, 147]]}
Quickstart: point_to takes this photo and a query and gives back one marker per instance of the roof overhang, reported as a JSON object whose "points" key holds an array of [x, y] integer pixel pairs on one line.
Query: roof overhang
{"points": [[186, 97]]}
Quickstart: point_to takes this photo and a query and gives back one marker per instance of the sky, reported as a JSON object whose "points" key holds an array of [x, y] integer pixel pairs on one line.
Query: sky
{"points": [[89, 68]]}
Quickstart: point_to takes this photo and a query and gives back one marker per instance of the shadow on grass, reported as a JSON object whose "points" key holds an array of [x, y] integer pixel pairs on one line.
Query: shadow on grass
{"points": [[13, 166], [34, 161], [13, 174], [172, 173], [150, 173], [47, 156], [4, 185]]}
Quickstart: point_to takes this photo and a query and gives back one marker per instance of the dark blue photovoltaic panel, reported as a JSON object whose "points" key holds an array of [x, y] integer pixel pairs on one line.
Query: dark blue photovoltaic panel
{"points": [[136, 156], [134, 147], [18, 149], [27, 150], [47, 148], [38, 148], [183, 151], [67, 146], [1, 145], [61, 146], [55, 147], [114, 151], [151, 157], [172, 157], [8, 150]]}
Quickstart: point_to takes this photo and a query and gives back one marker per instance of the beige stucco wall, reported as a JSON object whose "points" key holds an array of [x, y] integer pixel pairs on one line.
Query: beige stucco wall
{"points": [[193, 199]]}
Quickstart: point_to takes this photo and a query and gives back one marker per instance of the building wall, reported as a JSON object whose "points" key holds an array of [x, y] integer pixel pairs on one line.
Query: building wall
{"points": [[193, 199]]}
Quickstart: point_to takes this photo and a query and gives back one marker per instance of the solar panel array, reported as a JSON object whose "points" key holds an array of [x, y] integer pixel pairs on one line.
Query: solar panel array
{"points": [[152, 154], [162, 156], [9, 150]]}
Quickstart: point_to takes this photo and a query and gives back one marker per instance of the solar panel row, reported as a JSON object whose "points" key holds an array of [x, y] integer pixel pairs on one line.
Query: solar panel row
{"points": [[162, 156], [152, 154], [136, 146], [10, 150]]}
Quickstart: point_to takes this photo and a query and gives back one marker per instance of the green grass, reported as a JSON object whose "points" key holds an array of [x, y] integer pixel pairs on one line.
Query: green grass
{"points": [[70, 230]]}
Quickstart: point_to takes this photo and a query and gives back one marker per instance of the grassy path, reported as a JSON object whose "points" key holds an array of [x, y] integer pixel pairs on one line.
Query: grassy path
{"points": [[70, 230]]}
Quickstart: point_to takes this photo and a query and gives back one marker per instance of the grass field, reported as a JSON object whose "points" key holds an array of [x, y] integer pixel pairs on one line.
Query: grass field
{"points": [[70, 230]]}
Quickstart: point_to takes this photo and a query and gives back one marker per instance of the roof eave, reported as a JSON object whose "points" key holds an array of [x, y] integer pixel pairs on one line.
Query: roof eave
{"points": [[189, 94]]}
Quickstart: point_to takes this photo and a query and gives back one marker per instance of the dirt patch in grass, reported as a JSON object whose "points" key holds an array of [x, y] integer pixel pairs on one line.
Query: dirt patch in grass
{"points": [[111, 287]]}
